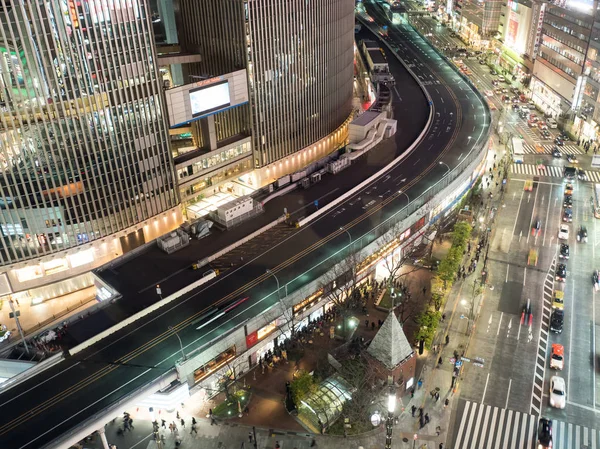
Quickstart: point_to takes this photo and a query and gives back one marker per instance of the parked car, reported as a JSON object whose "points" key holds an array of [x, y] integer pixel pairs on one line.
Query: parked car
{"points": [[563, 232], [557, 358], [563, 252], [557, 320], [561, 272], [558, 392]]}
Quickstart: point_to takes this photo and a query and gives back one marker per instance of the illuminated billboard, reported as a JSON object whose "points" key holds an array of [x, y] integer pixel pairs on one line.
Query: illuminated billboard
{"points": [[208, 99]]}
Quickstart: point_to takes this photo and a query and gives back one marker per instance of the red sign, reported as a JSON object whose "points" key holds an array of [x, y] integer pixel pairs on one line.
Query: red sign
{"points": [[251, 339]]}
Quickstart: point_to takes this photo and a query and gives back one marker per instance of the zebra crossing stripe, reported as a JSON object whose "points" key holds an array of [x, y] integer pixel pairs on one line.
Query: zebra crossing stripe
{"points": [[484, 426]]}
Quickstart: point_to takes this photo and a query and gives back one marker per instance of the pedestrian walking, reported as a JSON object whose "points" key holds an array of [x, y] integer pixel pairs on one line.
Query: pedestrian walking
{"points": [[163, 424], [446, 402], [194, 430], [171, 427], [182, 423], [437, 396], [175, 427], [193, 421], [313, 443], [441, 446], [250, 437], [420, 412], [413, 409], [427, 418], [277, 446]]}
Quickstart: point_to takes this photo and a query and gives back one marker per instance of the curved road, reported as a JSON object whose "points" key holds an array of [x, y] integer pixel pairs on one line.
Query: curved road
{"points": [[43, 408]]}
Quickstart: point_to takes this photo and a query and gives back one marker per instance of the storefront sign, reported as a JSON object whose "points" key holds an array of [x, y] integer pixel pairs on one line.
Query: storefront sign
{"points": [[538, 33], [251, 339]]}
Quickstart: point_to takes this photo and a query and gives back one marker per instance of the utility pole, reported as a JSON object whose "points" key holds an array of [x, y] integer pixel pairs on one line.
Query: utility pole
{"points": [[16, 314]]}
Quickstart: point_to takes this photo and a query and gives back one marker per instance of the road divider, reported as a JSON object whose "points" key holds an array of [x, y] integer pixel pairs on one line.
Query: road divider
{"points": [[340, 199], [27, 374]]}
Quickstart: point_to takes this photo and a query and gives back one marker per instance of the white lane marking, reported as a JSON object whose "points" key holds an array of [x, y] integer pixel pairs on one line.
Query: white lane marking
{"points": [[485, 388], [508, 392], [39, 384], [507, 267], [499, 323], [547, 214], [517, 214]]}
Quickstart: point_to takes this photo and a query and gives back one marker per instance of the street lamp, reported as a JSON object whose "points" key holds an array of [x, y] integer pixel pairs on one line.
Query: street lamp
{"points": [[347, 232], [180, 342], [390, 418], [16, 314], [443, 163], [276, 280]]}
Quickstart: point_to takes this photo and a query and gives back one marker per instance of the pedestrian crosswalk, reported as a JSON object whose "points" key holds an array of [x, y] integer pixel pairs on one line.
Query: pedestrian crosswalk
{"points": [[565, 149], [484, 426], [549, 170]]}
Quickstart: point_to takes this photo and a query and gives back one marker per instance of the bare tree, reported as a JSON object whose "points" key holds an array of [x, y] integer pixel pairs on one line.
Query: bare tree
{"points": [[340, 285], [229, 378], [395, 257]]}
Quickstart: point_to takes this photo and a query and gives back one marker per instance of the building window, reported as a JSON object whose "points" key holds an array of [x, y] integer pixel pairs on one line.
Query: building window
{"points": [[219, 361]]}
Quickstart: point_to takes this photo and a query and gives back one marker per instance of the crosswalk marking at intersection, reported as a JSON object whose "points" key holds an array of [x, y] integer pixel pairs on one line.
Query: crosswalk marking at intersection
{"points": [[565, 149], [484, 426], [549, 170]]}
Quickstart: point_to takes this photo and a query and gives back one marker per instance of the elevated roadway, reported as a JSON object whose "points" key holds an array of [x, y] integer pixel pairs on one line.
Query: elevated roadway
{"points": [[41, 410]]}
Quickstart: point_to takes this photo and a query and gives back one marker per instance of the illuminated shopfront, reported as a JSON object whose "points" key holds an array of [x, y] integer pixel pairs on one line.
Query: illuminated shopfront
{"points": [[585, 129], [545, 98], [215, 364]]}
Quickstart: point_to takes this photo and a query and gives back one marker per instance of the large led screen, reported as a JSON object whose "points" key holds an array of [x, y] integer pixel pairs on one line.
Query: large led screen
{"points": [[209, 99]]}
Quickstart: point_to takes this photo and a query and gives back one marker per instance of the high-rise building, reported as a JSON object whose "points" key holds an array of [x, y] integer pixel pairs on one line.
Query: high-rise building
{"points": [[299, 62], [559, 76], [84, 152]]}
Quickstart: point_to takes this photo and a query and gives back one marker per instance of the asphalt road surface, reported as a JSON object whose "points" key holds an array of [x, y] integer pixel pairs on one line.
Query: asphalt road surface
{"points": [[517, 372], [57, 400]]}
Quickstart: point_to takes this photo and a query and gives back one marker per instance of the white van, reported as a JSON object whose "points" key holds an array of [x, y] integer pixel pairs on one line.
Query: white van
{"points": [[551, 123]]}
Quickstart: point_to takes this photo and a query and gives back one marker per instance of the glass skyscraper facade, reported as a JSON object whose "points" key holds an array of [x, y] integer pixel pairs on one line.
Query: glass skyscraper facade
{"points": [[298, 56], [83, 142]]}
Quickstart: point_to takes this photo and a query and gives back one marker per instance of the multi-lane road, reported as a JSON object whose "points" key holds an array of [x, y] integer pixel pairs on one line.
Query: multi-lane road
{"points": [[502, 401], [41, 409]]}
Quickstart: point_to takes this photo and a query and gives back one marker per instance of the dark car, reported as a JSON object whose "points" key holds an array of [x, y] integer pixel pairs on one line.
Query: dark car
{"points": [[493, 72], [568, 201], [536, 228], [582, 234], [556, 153], [515, 107], [482, 62], [495, 82], [570, 173], [559, 141], [561, 272], [545, 434], [572, 159], [557, 320], [581, 175], [546, 134], [523, 114], [568, 214], [564, 251], [563, 135]]}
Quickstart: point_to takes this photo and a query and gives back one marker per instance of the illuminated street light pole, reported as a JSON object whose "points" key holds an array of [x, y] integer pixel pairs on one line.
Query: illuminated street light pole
{"points": [[180, 342], [349, 236], [269, 272], [443, 163], [389, 425], [15, 314]]}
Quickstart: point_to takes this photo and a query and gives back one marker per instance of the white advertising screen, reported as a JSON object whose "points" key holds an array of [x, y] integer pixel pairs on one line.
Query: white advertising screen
{"points": [[209, 99]]}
